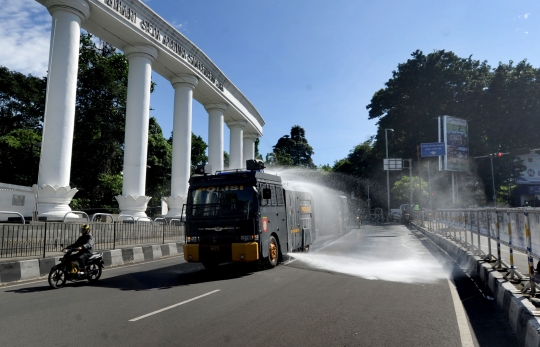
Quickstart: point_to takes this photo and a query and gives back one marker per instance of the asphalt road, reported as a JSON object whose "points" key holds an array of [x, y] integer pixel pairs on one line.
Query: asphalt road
{"points": [[376, 286]]}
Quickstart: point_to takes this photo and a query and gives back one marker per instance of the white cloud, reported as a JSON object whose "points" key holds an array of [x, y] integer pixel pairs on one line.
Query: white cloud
{"points": [[24, 36], [179, 26], [526, 15]]}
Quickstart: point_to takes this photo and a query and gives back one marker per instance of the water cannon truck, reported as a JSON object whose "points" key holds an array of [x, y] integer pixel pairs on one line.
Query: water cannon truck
{"points": [[244, 216]]}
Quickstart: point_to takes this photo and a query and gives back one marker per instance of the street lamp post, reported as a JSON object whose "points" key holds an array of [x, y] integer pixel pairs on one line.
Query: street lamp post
{"points": [[493, 181], [490, 156], [387, 171]]}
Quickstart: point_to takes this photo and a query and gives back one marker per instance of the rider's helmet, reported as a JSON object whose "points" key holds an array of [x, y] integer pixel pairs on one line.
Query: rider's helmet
{"points": [[85, 229]]}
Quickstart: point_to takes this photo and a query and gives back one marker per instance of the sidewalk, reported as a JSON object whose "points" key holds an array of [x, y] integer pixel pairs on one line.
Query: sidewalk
{"points": [[518, 306], [27, 268]]}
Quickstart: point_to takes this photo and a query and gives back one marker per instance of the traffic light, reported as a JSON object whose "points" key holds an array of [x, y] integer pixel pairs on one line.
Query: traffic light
{"points": [[499, 154]]}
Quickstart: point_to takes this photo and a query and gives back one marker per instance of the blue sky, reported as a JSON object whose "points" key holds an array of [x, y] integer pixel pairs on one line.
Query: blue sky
{"points": [[313, 63]]}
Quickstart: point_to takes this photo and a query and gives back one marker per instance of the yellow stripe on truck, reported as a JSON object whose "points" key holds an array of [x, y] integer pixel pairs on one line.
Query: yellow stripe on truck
{"points": [[245, 252], [191, 252]]}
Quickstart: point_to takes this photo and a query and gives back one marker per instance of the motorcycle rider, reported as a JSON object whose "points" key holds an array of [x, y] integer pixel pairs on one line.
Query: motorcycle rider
{"points": [[85, 247]]}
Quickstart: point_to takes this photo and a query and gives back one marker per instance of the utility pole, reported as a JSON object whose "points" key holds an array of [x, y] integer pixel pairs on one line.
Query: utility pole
{"points": [[419, 180], [387, 172]]}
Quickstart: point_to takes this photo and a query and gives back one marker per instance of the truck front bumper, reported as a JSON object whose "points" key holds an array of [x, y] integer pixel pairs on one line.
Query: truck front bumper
{"points": [[236, 252]]}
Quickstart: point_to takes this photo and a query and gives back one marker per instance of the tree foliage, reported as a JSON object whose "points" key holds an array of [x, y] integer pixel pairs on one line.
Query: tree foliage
{"points": [[99, 123], [98, 141], [500, 104], [22, 104], [198, 151], [292, 150], [401, 191], [361, 160]]}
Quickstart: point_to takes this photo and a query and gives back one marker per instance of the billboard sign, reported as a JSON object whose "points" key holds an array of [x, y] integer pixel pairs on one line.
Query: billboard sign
{"points": [[531, 174], [456, 138]]}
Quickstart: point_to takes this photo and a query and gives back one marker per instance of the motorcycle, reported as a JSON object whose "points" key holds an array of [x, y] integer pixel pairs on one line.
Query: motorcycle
{"points": [[406, 218], [69, 270]]}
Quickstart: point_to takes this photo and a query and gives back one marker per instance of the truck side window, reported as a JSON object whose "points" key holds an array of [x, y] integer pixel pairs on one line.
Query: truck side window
{"points": [[264, 202], [274, 203], [279, 195]]}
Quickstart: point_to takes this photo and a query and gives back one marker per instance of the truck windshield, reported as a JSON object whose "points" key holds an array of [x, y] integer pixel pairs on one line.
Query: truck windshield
{"points": [[234, 200]]}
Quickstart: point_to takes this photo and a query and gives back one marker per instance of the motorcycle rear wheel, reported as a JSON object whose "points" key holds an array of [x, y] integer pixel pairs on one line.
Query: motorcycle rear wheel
{"points": [[94, 272], [57, 277]]}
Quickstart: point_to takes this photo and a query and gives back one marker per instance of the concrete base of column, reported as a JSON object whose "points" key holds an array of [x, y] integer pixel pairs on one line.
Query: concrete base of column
{"points": [[176, 204], [53, 201], [134, 206]]}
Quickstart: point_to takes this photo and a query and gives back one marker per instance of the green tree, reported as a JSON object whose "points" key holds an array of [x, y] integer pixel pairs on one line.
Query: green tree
{"points": [[19, 151], [361, 161], [159, 164], [198, 151], [226, 160], [99, 123], [423, 88], [325, 168], [22, 101], [258, 155], [401, 191], [279, 158], [22, 104], [295, 147]]}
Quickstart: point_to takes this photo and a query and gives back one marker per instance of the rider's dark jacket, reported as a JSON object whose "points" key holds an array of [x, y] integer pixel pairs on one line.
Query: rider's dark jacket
{"points": [[86, 241]]}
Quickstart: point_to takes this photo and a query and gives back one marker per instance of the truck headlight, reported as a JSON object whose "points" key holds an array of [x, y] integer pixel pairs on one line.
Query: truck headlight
{"points": [[247, 238], [192, 239]]}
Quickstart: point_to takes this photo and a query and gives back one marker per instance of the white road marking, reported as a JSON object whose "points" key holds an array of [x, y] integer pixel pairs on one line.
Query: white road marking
{"points": [[463, 325], [104, 270], [288, 261], [173, 306]]}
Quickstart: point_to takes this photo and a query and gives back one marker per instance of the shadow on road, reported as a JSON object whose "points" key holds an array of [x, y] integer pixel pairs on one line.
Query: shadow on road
{"points": [[183, 274], [30, 290]]}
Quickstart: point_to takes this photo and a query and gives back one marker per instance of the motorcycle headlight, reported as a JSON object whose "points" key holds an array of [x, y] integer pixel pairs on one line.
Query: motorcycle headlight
{"points": [[192, 239]]}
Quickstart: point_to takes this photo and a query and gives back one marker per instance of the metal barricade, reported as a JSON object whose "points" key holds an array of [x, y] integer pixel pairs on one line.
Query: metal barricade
{"points": [[40, 238]]}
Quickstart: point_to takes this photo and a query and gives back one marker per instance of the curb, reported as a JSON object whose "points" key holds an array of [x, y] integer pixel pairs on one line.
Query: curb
{"points": [[35, 268], [518, 309]]}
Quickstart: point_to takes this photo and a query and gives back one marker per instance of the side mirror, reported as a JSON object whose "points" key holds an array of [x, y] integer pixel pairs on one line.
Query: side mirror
{"points": [[267, 193]]}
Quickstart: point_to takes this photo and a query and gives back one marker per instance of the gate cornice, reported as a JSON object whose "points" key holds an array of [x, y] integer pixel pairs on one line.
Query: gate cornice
{"points": [[131, 22]]}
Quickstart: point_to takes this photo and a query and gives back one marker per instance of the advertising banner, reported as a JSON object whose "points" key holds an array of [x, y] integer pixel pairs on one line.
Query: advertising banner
{"points": [[531, 174], [456, 138]]}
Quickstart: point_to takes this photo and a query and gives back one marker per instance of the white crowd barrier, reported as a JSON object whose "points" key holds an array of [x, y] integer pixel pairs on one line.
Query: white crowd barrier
{"points": [[516, 228]]}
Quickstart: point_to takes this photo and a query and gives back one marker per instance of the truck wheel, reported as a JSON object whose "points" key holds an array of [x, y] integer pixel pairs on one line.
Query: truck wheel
{"points": [[273, 252]]}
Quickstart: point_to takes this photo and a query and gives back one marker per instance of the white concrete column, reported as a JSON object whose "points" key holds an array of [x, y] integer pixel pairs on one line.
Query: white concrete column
{"points": [[249, 147], [235, 144], [53, 190], [181, 148], [133, 200], [215, 135]]}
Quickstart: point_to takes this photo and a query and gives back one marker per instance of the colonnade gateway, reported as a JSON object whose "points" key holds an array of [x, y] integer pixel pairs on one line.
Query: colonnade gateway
{"points": [[149, 43]]}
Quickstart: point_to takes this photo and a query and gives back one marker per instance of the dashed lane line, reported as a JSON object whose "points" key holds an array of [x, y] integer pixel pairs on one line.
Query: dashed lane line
{"points": [[173, 306]]}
